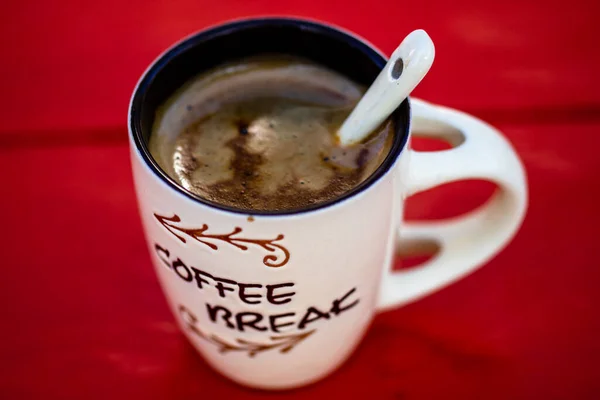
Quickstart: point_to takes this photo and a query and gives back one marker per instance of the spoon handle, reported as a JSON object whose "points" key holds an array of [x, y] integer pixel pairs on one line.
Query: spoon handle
{"points": [[405, 69]]}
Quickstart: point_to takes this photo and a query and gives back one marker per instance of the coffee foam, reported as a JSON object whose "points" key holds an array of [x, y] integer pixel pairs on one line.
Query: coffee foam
{"points": [[259, 135]]}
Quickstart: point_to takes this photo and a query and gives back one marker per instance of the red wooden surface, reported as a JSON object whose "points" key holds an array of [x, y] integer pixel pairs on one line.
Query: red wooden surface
{"points": [[82, 313]]}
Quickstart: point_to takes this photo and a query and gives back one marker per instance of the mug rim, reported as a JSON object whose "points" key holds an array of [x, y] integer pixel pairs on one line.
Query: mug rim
{"points": [[136, 104]]}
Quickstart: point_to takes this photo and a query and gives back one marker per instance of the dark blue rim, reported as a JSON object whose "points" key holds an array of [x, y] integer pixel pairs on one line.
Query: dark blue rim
{"points": [[402, 113]]}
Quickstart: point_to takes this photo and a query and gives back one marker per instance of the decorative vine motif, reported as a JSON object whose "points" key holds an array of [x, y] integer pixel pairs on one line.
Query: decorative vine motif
{"points": [[284, 343], [200, 235]]}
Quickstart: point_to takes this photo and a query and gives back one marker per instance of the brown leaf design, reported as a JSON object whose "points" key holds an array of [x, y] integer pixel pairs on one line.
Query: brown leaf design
{"points": [[201, 236], [284, 343]]}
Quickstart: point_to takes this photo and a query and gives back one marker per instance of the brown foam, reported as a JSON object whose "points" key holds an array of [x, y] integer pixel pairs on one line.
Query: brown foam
{"points": [[259, 135]]}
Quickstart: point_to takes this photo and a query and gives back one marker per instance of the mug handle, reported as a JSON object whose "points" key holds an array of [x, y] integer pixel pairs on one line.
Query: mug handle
{"points": [[467, 241]]}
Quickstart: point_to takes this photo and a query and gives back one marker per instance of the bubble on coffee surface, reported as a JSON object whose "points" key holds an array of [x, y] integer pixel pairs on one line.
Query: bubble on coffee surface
{"points": [[260, 135]]}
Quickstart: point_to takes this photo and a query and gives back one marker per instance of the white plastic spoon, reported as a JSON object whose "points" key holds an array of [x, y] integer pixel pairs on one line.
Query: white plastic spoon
{"points": [[405, 69]]}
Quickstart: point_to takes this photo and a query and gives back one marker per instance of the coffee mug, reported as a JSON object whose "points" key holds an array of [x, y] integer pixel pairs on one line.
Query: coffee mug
{"points": [[277, 300]]}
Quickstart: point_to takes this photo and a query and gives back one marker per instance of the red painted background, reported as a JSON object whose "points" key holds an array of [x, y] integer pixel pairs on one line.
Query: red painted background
{"points": [[82, 316]]}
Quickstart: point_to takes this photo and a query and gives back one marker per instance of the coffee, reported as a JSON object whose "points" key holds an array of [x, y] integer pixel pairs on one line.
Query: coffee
{"points": [[259, 135]]}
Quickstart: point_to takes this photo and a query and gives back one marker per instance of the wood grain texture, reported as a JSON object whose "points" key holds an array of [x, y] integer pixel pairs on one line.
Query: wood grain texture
{"points": [[509, 56], [82, 313]]}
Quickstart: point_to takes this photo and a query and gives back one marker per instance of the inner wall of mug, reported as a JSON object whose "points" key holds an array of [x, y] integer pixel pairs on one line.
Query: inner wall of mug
{"points": [[205, 50]]}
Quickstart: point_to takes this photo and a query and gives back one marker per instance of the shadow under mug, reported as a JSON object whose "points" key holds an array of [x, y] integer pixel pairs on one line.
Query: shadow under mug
{"points": [[277, 300]]}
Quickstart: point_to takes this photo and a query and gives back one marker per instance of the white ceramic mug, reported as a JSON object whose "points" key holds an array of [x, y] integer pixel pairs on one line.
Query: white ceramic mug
{"points": [[278, 300]]}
